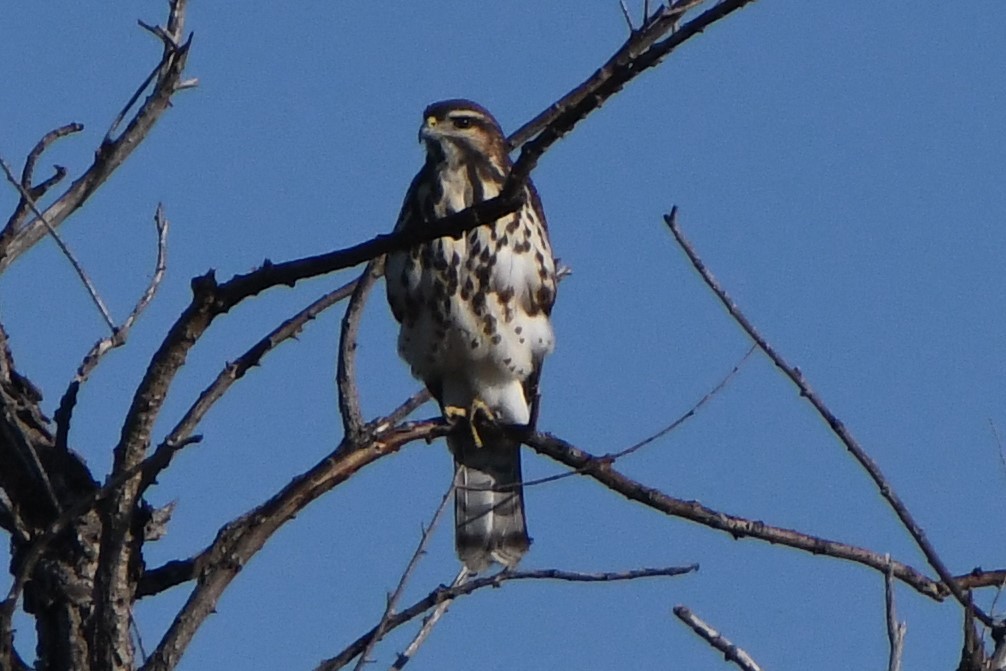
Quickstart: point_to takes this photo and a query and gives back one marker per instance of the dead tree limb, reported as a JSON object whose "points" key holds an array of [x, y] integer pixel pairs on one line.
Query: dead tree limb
{"points": [[836, 425]]}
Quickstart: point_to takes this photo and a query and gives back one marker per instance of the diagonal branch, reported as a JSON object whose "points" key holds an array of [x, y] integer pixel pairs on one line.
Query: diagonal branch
{"points": [[113, 151], [601, 470], [406, 574], [64, 413], [51, 230], [641, 51], [231, 373], [238, 541], [836, 425], [429, 622], [35, 191], [443, 593], [714, 638], [176, 572]]}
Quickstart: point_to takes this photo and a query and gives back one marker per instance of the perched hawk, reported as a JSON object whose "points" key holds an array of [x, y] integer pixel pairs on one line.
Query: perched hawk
{"points": [[474, 315]]}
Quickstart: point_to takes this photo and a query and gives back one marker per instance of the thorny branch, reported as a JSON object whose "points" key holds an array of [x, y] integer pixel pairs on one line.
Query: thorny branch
{"points": [[836, 425], [443, 593], [730, 651]]}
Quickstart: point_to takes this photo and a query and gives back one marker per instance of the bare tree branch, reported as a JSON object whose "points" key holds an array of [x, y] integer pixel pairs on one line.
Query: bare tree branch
{"points": [[601, 470], [349, 398], [612, 457], [179, 571], [35, 191], [79, 269], [837, 427], [730, 651], [443, 593], [234, 371], [112, 152], [429, 622], [406, 574], [64, 413], [640, 52], [895, 629], [239, 540]]}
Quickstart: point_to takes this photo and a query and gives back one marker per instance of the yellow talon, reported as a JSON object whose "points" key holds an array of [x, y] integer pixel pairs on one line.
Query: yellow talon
{"points": [[454, 414], [479, 406], [478, 410]]}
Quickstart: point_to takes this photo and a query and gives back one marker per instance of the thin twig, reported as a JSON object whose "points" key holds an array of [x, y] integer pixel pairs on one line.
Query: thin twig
{"points": [[242, 538], [836, 425], [895, 629], [112, 152], [88, 284], [109, 134], [234, 371], [614, 456], [641, 51], [64, 413], [308, 485], [445, 593], [401, 412], [999, 445], [625, 15], [349, 397], [429, 622], [730, 651], [28, 175], [389, 608]]}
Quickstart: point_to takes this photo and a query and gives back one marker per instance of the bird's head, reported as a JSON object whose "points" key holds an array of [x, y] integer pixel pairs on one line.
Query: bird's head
{"points": [[452, 130]]}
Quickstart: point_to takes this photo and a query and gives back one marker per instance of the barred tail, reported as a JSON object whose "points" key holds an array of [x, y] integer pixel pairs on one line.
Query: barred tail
{"points": [[488, 501]]}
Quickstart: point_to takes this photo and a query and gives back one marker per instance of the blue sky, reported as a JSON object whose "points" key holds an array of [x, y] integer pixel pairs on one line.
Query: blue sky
{"points": [[840, 168]]}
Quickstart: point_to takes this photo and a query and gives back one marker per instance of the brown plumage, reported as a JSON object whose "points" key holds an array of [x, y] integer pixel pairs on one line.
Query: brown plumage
{"points": [[474, 316]]}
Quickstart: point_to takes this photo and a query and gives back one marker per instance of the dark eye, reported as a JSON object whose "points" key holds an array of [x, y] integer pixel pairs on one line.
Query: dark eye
{"points": [[462, 122]]}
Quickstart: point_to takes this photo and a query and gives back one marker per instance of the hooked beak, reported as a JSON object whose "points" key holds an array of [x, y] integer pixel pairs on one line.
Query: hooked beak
{"points": [[426, 130]]}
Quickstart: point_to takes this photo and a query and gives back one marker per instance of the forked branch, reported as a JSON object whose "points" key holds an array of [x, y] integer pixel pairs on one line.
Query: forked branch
{"points": [[443, 593]]}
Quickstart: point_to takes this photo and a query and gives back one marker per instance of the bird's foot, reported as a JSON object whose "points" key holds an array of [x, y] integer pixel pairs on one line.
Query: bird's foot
{"points": [[454, 414], [478, 412]]}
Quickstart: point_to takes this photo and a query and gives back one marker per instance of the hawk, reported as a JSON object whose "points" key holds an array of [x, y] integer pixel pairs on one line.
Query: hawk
{"points": [[474, 314]]}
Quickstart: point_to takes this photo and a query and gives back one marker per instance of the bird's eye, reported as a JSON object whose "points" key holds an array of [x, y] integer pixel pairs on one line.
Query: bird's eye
{"points": [[462, 122]]}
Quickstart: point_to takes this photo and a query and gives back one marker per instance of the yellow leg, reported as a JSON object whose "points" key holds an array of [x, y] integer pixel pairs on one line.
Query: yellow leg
{"points": [[453, 414]]}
